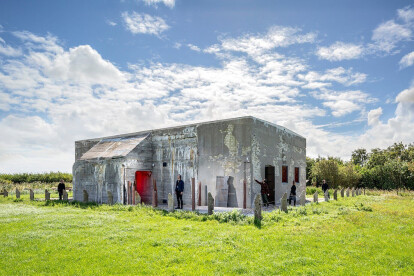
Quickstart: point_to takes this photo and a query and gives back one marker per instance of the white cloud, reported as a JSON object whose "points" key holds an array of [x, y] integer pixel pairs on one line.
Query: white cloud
{"points": [[406, 14], [388, 34], [48, 43], [407, 60], [385, 39], [340, 51], [344, 102], [54, 96], [168, 3], [194, 47], [111, 23], [340, 75], [406, 96], [257, 44], [396, 129], [8, 50], [373, 116], [141, 23]]}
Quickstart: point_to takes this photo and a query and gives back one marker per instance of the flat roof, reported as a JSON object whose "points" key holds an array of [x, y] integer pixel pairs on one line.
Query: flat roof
{"points": [[190, 125]]}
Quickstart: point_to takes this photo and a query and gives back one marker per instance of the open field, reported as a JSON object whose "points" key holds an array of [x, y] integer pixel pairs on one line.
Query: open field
{"points": [[361, 235]]}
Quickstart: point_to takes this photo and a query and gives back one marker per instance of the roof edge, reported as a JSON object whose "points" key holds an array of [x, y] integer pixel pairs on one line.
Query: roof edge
{"points": [[188, 125]]}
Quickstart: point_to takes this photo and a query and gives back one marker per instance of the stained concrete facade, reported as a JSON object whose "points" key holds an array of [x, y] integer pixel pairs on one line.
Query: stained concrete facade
{"points": [[238, 149]]}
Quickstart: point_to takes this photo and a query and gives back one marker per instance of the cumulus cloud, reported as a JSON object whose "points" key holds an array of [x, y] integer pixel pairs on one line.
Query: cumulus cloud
{"points": [[406, 14], [8, 50], [141, 23], [343, 102], [346, 77], [373, 116], [384, 40], [168, 3], [193, 47], [257, 44], [388, 34], [407, 60], [406, 96], [54, 95], [340, 51]]}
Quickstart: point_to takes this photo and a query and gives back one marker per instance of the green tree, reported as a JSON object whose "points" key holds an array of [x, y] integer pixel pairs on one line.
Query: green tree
{"points": [[350, 176], [327, 169], [359, 157], [309, 165]]}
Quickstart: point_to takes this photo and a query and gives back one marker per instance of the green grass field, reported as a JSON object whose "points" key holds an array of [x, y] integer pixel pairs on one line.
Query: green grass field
{"points": [[362, 235]]}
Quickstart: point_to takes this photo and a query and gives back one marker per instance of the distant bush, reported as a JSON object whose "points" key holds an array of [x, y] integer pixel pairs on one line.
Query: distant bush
{"points": [[50, 177], [384, 169], [311, 190]]}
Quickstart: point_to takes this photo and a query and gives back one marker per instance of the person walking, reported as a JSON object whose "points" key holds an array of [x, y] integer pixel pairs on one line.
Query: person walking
{"points": [[264, 190], [179, 189], [61, 187], [292, 195]]}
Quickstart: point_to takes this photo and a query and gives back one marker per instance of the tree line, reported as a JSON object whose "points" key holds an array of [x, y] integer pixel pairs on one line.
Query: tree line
{"points": [[390, 168], [35, 177]]}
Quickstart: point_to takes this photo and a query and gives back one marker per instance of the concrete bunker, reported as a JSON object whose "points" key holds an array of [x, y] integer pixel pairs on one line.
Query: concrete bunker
{"points": [[222, 155]]}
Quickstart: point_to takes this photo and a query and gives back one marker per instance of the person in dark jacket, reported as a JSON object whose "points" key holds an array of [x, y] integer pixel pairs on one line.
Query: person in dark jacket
{"points": [[324, 186], [292, 195], [61, 187], [264, 190], [179, 189]]}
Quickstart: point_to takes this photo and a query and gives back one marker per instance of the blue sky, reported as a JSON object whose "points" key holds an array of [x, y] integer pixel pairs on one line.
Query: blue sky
{"points": [[339, 73]]}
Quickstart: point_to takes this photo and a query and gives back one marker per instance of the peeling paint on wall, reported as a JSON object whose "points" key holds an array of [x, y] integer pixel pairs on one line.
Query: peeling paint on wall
{"points": [[256, 164], [203, 150]]}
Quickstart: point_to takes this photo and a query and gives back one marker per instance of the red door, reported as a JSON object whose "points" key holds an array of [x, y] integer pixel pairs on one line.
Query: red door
{"points": [[144, 186]]}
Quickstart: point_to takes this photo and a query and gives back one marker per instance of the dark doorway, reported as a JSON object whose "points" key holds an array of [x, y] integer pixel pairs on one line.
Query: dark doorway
{"points": [[270, 176]]}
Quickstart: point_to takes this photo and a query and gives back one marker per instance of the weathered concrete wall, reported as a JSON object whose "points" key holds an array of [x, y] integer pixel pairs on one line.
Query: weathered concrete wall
{"points": [[239, 148], [176, 149], [276, 146], [139, 159], [97, 177], [223, 148]]}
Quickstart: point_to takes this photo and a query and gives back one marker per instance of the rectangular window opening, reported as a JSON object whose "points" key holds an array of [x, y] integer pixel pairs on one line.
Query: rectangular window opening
{"points": [[285, 174], [297, 174], [164, 164]]}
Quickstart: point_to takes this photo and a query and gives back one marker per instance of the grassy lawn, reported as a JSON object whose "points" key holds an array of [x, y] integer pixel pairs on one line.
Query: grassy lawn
{"points": [[362, 235]]}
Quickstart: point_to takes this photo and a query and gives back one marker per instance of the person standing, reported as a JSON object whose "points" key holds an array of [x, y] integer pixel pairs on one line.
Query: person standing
{"points": [[264, 189], [292, 195], [179, 189], [61, 187], [324, 186]]}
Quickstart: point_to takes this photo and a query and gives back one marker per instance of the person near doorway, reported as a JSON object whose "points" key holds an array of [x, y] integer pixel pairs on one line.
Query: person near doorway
{"points": [[264, 189], [179, 189], [292, 195], [325, 186], [61, 187]]}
